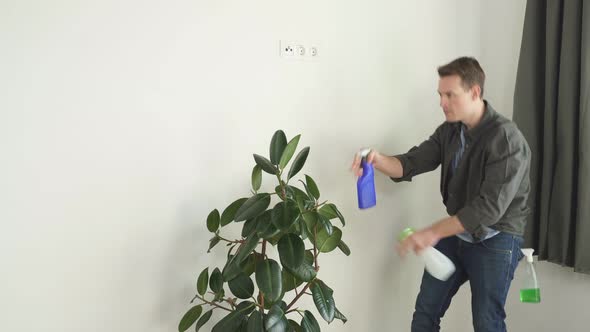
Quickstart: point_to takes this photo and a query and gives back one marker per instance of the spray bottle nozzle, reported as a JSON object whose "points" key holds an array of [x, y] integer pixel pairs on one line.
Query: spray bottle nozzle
{"points": [[364, 152], [528, 252]]}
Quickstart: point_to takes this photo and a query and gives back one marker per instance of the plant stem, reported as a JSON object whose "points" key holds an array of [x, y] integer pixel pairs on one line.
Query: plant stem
{"points": [[263, 248], [298, 296], [320, 204], [315, 248], [226, 240], [209, 303], [292, 310], [282, 184]]}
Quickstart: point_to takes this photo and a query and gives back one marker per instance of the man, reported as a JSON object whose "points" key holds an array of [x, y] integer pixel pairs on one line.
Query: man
{"points": [[484, 185]]}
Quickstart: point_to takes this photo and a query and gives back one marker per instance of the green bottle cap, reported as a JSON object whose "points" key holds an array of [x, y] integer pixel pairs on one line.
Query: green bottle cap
{"points": [[405, 233]]}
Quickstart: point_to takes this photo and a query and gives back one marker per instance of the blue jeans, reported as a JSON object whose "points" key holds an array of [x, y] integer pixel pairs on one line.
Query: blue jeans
{"points": [[488, 265]]}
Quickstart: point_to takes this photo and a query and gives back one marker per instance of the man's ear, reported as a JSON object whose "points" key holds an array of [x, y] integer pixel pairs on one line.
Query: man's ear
{"points": [[475, 92]]}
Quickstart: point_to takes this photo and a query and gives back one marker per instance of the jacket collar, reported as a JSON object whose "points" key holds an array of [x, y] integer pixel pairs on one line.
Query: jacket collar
{"points": [[488, 118]]}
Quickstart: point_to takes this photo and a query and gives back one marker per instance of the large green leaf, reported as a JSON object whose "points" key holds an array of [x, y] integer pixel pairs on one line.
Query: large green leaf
{"points": [[249, 227], [311, 219], [230, 212], [249, 265], [265, 164], [276, 321], [269, 279], [289, 151], [213, 242], [256, 177], [325, 224], [298, 162], [269, 232], [296, 193], [252, 207], [241, 286], [323, 299], [330, 211], [344, 248], [302, 227], [294, 327], [246, 249], [277, 146], [264, 226], [230, 323], [290, 282], [263, 221], [284, 214], [304, 272], [255, 322], [339, 315], [309, 323], [268, 303], [216, 281], [246, 307], [312, 187], [291, 251], [327, 243], [203, 320], [213, 221], [219, 296], [233, 267], [203, 281], [189, 318]]}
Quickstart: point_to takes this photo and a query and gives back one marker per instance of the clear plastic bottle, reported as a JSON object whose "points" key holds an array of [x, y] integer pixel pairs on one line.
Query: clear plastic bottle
{"points": [[365, 184], [435, 262], [530, 291]]}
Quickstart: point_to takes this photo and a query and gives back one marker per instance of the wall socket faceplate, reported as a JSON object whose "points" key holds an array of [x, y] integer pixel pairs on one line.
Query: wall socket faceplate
{"points": [[296, 50]]}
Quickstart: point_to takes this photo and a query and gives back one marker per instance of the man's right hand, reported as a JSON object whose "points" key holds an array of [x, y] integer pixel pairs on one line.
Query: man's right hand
{"points": [[356, 167], [390, 166]]}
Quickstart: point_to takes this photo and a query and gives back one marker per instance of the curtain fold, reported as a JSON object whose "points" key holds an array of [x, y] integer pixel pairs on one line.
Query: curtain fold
{"points": [[551, 104]]}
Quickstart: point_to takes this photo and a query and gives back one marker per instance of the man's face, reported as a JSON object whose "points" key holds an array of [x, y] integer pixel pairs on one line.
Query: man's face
{"points": [[456, 102]]}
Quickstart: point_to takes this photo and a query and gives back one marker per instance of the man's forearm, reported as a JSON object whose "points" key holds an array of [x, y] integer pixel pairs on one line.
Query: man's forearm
{"points": [[390, 166], [447, 227]]}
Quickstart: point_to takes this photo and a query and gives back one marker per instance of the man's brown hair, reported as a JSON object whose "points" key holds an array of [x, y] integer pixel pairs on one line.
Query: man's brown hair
{"points": [[468, 69]]}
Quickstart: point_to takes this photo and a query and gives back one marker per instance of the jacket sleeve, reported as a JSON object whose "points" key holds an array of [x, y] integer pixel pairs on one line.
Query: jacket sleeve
{"points": [[507, 164], [422, 158]]}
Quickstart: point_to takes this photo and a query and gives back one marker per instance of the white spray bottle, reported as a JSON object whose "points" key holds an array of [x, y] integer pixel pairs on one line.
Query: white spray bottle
{"points": [[435, 262]]}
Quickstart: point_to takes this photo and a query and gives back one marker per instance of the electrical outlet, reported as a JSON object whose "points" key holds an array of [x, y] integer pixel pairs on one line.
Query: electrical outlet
{"points": [[300, 50], [287, 49], [313, 51], [296, 50]]}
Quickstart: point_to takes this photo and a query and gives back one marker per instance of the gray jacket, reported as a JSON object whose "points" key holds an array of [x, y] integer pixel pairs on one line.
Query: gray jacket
{"points": [[491, 183]]}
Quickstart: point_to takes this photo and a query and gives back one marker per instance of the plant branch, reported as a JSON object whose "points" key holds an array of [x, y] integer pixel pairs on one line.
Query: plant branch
{"points": [[320, 204], [315, 248], [226, 240], [298, 296], [209, 303], [292, 310]]}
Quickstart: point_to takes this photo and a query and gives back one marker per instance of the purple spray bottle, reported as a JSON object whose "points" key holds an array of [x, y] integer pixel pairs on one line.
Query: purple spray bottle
{"points": [[366, 183]]}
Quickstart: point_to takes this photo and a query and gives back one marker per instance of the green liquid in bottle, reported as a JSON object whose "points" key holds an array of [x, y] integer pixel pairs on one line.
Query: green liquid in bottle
{"points": [[532, 295]]}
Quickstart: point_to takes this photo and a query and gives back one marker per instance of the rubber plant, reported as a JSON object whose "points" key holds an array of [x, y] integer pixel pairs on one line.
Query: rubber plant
{"points": [[264, 293]]}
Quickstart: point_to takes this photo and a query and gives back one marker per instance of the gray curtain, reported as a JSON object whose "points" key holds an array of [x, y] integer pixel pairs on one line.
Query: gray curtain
{"points": [[552, 109]]}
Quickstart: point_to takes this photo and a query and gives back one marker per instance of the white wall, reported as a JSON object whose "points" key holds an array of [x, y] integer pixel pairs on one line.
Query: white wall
{"points": [[122, 124]]}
